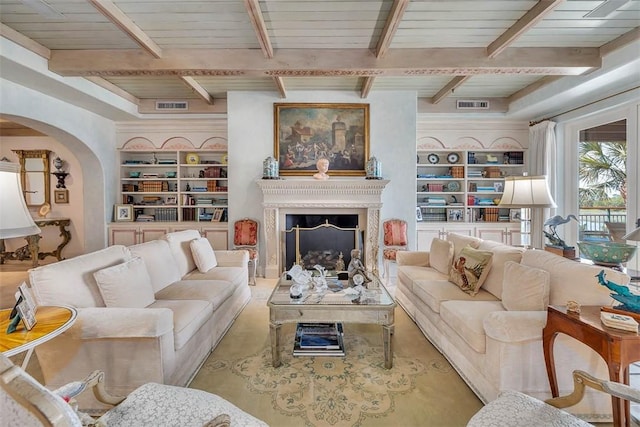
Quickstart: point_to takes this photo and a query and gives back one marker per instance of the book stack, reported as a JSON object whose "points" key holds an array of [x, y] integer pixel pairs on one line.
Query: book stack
{"points": [[319, 339], [619, 321]]}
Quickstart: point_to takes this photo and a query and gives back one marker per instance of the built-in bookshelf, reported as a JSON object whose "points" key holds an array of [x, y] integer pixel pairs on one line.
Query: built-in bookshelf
{"points": [[464, 185], [175, 186]]}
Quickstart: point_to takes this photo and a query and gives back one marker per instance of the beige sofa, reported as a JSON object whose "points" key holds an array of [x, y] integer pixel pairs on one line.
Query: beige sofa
{"points": [[145, 312], [494, 339]]}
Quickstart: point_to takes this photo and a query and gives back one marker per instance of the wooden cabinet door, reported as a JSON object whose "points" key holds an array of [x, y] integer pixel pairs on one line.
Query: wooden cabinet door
{"points": [[152, 233], [495, 234], [219, 237], [123, 236], [426, 235]]}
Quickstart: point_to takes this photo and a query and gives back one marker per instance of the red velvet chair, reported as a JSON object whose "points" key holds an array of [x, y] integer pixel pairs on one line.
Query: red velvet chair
{"points": [[245, 236], [395, 239]]}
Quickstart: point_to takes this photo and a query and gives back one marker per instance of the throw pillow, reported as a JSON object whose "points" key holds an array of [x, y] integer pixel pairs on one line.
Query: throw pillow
{"points": [[470, 269], [203, 254], [525, 288], [441, 255], [126, 285]]}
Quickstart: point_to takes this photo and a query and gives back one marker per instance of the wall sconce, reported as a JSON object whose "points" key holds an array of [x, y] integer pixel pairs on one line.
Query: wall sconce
{"points": [[59, 173]]}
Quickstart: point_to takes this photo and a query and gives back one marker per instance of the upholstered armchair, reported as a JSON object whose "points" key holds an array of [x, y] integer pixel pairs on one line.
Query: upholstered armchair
{"points": [[395, 239], [245, 236], [25, 402], [513, 408]]}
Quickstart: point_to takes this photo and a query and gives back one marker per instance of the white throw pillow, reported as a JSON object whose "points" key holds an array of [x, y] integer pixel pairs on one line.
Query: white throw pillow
{"points": [[441, 255], [525, 288], [203, 254], [126, 285]]}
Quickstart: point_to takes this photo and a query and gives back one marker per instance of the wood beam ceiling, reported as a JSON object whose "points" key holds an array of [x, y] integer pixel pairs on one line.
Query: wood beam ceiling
{"points": [[199, 90], [324, 62]]}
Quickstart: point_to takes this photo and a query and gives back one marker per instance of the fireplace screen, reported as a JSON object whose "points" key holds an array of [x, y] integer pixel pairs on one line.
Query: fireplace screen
{"points": [[327, 245]]}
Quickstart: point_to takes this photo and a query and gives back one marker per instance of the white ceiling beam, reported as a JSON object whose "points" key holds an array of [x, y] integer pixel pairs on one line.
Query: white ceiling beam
{"points": [[449, 88], [255, 14], [122, 21], [623, 40], [528, 90], [24, 41], [367, 84], [324, 62], [280, 85], [105, 84], [197, 89], [528, 20], [391, 26]]}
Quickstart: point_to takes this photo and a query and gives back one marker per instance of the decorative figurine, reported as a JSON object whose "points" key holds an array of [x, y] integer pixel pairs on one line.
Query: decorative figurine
{"points": [[323, 166], [374, 168], [340, 262], [573, 307], [356, 268], [554, 222], [629, 300], [270, 168]]}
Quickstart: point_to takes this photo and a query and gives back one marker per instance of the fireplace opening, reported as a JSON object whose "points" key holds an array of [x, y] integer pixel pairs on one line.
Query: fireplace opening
{"points": [[325, 240]]}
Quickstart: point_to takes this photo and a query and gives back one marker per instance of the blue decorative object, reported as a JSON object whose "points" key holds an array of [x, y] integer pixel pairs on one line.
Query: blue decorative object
{"points": [[374, 168], [270, 168], [606, 253], [630, 301]]}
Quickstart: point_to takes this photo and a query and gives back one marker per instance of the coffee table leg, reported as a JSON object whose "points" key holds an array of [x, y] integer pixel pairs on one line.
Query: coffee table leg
{"points": [[274, 329], [387, 345]]}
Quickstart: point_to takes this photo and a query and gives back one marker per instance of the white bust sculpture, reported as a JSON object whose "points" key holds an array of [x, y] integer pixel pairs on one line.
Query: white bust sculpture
{"points": [[323, 166]]}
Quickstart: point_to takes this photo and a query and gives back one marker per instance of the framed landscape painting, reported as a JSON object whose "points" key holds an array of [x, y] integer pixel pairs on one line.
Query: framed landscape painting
{"points": [[305, 133]]}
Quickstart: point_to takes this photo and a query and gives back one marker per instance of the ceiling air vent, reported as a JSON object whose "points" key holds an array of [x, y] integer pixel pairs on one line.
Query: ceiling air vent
{"points": [[172, 105], [472, 105]]}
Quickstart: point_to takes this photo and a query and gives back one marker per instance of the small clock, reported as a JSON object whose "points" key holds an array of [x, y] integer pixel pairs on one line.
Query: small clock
{"points": [[433, 158], [193, 158], [453, 157]]}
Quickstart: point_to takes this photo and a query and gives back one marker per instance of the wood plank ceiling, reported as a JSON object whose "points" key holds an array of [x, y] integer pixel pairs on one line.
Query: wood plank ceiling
{"points": [[199, 50]]}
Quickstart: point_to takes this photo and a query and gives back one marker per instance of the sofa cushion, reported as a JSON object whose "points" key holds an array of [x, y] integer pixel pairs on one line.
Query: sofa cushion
{"points": [[466, 318], [71, 282], [501, 254], [441, 255], [188, 317], [203, 254], [179, 243], [434, 292], [460, 241], [234, 275], [214, 291], [525, 288], [161, 265], [571, 280], [409, 274], [125, 285], [470, 269]]}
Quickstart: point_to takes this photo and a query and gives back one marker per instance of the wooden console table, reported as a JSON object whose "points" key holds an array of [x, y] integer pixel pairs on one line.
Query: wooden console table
{"points": [[618, 348], [31, 251]]}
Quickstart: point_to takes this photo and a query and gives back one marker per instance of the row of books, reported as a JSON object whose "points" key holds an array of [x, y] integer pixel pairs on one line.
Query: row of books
{"points": [[319, 339]]}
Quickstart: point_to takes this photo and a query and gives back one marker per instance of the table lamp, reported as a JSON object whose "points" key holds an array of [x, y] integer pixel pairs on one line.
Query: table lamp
{"points": [[634, 236], [526, 193], [15, 219]]}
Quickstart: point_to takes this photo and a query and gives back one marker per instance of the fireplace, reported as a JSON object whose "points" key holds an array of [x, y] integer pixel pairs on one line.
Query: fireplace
{"points": [[356, 197], [325, 240]]}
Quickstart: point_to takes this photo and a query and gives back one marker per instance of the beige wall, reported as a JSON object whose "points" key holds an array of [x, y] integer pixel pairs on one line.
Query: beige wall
{"points": [[74, 183]]}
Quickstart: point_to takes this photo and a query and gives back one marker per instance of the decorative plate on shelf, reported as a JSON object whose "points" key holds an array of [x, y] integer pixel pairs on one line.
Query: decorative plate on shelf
{"points": [[433, 158], [453, 157], [192, 158], [453, 186]]}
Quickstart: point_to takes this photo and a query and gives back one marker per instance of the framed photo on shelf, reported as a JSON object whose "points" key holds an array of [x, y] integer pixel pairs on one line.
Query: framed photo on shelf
{"points": [[171, 200], [123, 213], [306, 132], [217, 215], [514, 215], [418, 213], [455, 215]]}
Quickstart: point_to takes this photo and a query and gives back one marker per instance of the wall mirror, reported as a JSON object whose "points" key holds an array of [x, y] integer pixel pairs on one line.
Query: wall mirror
{"points": [[34, 176]]}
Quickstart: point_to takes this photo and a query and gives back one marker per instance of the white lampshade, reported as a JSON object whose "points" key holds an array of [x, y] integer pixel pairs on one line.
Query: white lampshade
{"points": [[633, 235], [15, 219], [526, 192]]}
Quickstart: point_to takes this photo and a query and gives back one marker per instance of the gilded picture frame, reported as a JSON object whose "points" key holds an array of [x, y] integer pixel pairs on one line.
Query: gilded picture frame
{"points": [[306, 132]]}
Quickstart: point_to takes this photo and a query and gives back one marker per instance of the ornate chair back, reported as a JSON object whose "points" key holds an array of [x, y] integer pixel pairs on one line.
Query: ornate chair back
{"points": [[395, 239], [245, 236]]}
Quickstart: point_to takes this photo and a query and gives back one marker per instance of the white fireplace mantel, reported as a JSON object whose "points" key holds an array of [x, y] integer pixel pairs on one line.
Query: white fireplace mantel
{"points": [[352, 195]]}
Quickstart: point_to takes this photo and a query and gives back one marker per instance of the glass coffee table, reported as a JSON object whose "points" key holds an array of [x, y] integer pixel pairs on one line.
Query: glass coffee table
{"points": [[374, 305]]}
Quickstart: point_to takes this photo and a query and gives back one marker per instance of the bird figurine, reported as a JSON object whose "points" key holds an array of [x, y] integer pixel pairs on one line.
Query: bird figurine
{"points": [[629, 300], [554, 222]]}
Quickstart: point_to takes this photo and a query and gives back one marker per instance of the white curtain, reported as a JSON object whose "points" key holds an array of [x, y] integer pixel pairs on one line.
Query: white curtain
{"points": [[542, 161]]}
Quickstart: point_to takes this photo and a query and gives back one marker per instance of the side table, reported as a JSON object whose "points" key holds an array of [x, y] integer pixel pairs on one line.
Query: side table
{"points": [[51, 322], [618, 348]]}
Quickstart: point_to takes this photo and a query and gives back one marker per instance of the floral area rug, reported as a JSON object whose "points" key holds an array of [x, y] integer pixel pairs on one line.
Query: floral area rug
{"points": [[329, 391]]}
